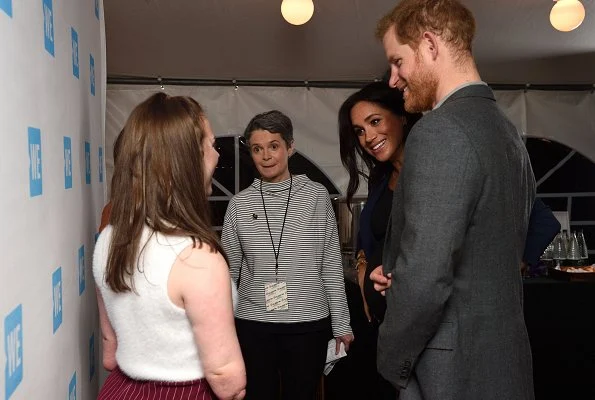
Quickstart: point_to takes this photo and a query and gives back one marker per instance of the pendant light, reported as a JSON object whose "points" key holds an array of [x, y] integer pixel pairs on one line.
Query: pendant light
{"points": [[567, 15], [297, 12]]}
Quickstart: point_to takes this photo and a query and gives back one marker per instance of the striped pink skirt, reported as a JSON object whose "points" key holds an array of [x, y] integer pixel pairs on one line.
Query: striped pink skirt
{"points": [[118, 386]]}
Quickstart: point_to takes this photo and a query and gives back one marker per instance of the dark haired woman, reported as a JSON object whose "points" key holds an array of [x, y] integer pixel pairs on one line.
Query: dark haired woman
{"points": [[373, 127]]}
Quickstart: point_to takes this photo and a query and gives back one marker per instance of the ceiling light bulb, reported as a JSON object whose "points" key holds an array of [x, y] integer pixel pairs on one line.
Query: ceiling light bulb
{"points": [[297, 12], [567, 15]]}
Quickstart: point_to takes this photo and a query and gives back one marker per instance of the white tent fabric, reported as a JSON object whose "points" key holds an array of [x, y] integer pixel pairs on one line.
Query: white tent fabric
{"points": [[567, 117]]}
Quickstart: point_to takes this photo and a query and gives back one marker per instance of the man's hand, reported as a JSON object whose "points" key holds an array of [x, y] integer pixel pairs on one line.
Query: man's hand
{"points": [[381, 282], [524, 269]]}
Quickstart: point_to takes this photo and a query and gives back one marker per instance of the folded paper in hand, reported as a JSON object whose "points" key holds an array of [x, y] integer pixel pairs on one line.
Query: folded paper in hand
{"points": [[331, 357]]}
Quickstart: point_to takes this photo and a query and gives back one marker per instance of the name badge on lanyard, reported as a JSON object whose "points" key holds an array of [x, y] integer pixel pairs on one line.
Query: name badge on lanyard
{"points": [[275, 295]]}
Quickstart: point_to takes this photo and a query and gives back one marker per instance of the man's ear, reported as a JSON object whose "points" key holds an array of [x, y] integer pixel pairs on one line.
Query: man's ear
{"points": [[431, 44]]}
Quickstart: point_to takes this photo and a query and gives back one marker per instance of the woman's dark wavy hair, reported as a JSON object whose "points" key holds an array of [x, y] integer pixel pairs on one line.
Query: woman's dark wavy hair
{"points": [[389, 99]]}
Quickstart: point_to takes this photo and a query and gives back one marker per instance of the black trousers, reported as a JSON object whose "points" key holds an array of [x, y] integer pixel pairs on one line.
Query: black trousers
{"points": [[356, 376], [286, 365]]}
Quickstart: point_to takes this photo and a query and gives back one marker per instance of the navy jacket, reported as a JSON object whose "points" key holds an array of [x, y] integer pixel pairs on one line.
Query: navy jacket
{"points": [[543, 227]]}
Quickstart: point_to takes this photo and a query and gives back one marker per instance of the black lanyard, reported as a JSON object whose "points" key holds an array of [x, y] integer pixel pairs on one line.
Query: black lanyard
{"points": [[278, 251]]}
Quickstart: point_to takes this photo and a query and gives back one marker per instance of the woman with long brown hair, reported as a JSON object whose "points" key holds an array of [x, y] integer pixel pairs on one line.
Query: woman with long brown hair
{"points": [[161, 272]]}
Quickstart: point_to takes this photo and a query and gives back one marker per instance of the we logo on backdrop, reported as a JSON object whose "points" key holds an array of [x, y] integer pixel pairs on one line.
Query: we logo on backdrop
{"points": [[92, 73], [81, 269], [48, 26], [13, 347], [87, 163], [67, 163], [97, 9], [57, 298], [35, 177], [6, 6], [75, 52], [72, 387]]}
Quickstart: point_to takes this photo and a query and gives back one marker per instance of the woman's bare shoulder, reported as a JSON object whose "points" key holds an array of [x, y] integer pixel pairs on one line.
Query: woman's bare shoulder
{"points": [[200, 257]]}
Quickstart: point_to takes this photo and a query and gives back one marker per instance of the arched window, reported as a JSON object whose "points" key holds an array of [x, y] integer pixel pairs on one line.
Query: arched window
{"points": [[566, 182]]}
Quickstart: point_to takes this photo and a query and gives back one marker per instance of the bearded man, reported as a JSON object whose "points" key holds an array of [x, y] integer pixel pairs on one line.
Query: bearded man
{"points": [[454, 326]]}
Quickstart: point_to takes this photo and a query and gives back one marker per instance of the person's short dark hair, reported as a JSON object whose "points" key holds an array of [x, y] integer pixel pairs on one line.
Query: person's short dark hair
{"points": [[273, 121]]}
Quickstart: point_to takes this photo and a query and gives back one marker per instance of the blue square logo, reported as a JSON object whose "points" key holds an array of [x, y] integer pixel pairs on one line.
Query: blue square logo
{"points": [[57, 298], [67, 163], [92, 73], [92, 356], [35, 177], [72, 387], [13, 347], [87, 163], [81, 264], [97, 9], [48, 26], [100, 164], [75, 53], [6, 6]]}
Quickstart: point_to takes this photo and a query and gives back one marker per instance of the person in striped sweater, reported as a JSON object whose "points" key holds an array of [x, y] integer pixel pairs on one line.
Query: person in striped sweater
{"points": [[281, 239]]}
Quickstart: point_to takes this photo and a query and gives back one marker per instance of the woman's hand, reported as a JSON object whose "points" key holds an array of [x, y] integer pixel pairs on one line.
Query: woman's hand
{"points": [[346, 340], [361, 266], [381, 282]]}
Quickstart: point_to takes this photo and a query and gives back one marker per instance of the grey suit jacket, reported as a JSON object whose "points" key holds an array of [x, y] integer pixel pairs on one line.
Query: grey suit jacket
{"points": [[454, 326]]}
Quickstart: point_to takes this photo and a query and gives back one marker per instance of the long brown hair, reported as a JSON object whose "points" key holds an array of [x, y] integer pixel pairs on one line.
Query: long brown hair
{"points": [[159, 182]]}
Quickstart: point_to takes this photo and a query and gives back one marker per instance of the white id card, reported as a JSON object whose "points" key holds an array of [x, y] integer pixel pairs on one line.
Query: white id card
{"points": [[275, 295]]}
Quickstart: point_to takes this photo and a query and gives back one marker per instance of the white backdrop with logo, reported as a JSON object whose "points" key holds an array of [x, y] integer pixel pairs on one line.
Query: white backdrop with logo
{"points": [[564, 116], [52, 107]]}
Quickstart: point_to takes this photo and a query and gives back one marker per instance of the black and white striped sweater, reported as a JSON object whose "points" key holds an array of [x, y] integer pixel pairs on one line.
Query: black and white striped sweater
{"points": [[309, 256]]}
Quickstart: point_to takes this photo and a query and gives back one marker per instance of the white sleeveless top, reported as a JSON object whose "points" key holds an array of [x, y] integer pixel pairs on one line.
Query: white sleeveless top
{"points": [[155, 339]]}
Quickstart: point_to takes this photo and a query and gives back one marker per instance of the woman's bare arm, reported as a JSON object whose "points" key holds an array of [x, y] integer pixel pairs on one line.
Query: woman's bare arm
{"points": [[200, 281], [110, 343]]}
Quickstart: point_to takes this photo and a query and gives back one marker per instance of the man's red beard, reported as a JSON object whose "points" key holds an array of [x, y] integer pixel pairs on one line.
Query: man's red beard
{"points": [[422, 86]]}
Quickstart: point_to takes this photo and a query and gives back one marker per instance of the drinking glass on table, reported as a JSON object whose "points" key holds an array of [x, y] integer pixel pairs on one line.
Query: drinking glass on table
{"points": [[548, 255], [574, 252], [584, 251], [560, 252]]}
